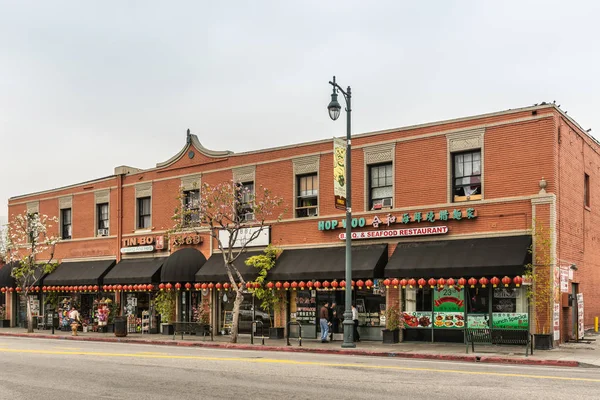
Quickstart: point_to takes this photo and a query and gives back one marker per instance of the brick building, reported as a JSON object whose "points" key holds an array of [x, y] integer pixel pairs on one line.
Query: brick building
{"points": [[462, 198]]}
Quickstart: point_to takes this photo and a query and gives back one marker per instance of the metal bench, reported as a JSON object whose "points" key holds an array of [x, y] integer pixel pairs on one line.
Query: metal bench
{"points": [[520, 337], [192, 328]]}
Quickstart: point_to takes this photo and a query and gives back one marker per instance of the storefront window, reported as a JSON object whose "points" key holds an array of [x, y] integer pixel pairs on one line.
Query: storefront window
{"points": [[370, 307], [249, 311], [305, 310], [135, 305]]}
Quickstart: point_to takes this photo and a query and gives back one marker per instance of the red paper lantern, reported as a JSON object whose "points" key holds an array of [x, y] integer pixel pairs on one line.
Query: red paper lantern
{"points": [[278, 285], [294, 285], [432, 282], [249, 285], [178, 286], [256, 285], [95, 288], [326, 284], [506, 280], [130, 288], [317, 284], [286, 285], [422, 282], [472, 282], [44, 288], [211, 286], [82, 288], [144, 287], [150, 287], [19, 289], [352, 284], [270, 285], [3, 290], [188, 286], [517, 280], [343, 284], [462, 282], [495, 281], [197, 286], [226, 285], [119, 287], [360, 283], [442, 282], [484, 281], [301, 285], [335, 284], [10, 289], [386, 283], [205, 286], [309, 284], [168, 286], [450, 282], [412, 282], [403, 282], [395, 283], [218, 286], [368, 283]]}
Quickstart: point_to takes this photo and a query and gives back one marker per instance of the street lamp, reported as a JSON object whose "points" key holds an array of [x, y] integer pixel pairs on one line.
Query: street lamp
{"points": [[334, 113]]}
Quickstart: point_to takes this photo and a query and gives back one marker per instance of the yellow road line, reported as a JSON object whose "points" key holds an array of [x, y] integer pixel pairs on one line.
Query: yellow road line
{"points": [[293, 362]]}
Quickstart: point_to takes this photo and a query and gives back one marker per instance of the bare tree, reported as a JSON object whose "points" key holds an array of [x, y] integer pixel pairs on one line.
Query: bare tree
{"points": [[235, 215], [29, 246]]}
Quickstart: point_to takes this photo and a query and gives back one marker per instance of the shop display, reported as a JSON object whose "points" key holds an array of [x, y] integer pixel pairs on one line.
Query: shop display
{"points": [[417, 319], [510, 320], [478, 321], [448, 320], [306, 310], [449, 308]]}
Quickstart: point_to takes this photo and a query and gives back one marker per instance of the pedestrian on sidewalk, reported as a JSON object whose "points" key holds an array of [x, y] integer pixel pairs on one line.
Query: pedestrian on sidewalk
{"points": [[355, 320], [75, 319], [324, 321], [334, 321]]}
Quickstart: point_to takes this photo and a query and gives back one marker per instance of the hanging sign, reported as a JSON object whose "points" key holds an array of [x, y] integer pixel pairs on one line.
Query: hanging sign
{"points": [[431, 230], [448, 308], [339, 173], [249, 237], [580, 324], [564, 280], [556, 318]]}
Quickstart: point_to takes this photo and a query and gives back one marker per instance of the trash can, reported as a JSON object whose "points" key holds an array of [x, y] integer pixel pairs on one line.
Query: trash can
{"points": [[120, 326]]}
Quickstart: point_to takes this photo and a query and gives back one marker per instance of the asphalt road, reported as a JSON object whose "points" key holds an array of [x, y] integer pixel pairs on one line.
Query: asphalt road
{"points": [[52, 369]]}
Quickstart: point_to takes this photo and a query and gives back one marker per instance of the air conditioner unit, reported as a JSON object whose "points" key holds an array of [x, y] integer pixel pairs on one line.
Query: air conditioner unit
{"points": [[312, 212], [248, 217], [387, 203], [102, 232]]}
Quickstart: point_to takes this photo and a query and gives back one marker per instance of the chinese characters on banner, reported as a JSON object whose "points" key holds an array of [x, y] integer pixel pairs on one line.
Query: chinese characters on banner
{"points": [[580, 324], [339, 173]]}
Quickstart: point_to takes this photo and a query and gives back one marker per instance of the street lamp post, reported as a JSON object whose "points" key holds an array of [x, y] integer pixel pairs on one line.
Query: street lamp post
{"points": [[334, 112]]}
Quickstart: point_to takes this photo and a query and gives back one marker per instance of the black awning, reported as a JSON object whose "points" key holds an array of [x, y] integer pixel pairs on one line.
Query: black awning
{"points": [[6, 279], [135, 270], [214, 269], [463, 257], [329, 263], [182, 266], [79, 273]]}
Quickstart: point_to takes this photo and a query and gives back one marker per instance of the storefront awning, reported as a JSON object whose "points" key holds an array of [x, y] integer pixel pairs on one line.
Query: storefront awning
{"points": [[463, 257], [79, 273], [6, 280], [182, 266], [329, 263], [135, 270], [214, 269]]}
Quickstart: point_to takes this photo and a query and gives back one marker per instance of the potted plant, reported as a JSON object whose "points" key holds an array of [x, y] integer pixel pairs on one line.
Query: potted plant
{"points": [[4, 323], [164, 303], [392, 323]]}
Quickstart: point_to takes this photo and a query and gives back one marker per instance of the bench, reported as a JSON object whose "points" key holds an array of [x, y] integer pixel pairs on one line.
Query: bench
{"points": [[192, 328], [520, 337]]}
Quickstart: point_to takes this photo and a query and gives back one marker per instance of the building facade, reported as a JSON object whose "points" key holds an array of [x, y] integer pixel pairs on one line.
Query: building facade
{"points": [[484, 197]]}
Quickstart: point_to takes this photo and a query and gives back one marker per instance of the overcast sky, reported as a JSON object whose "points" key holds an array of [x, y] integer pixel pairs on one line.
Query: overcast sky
{"points": [[87, 86]]}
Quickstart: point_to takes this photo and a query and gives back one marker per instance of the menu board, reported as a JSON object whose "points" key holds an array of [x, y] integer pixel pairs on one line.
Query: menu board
{"points": [[478, 321], [510, 320], [449, 308], [417, 319]]}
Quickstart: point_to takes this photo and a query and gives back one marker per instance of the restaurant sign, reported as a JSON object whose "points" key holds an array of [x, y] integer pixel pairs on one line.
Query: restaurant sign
{"points": [[142, 244], [510, 320], [449, 308], [431, 230]]}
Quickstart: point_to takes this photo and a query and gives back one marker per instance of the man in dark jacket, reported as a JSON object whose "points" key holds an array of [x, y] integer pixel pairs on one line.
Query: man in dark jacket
{"points": [[324, 321]]}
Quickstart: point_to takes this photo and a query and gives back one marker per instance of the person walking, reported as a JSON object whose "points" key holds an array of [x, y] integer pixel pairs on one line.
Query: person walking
{"points": [[334, 321], [324, 322], [74, 320], [355, 319]]}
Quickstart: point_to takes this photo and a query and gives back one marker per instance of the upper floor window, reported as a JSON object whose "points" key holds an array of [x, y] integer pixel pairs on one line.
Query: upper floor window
{"points": [[191, 207], [307, 196], [65, 223], [30, 229], [245, 207], [586, 190], [381, 189], [144, 210], [467, 176], [102, 216]]}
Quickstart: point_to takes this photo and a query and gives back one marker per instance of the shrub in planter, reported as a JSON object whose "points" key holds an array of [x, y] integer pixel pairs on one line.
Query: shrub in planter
{"points": [[392, 323]]}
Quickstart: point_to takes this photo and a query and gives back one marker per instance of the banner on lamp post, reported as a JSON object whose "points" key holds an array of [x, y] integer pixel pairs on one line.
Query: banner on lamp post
{"points": [[339, 173]]}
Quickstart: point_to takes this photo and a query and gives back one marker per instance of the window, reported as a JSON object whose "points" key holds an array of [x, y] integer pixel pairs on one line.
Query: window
{"points": [[586, 190], [191, 207], [381, 186], [30, 218], [144, 212], [245, 206], [65, 223], [467, 176], [102, 215], [307, 197]]}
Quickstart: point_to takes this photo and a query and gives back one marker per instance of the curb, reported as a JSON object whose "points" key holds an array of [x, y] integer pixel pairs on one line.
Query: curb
{"points": [[367, 353]]}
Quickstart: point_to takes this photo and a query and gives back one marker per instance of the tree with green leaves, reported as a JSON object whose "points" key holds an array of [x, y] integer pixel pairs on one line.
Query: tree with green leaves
{"points": [[28, 245], [264, 262], [234, 215]]}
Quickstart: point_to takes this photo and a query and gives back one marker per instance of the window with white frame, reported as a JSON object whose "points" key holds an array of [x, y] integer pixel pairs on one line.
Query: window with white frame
{"points": [[466, 175], [307, 187], [191, 207], [381, 184], [144, 210], [102, 219], [245, 206], [65, 223]]}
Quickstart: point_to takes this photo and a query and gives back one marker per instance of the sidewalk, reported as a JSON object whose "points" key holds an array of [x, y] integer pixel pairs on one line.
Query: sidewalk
{"points": [[567, 355]]}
